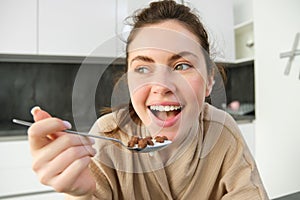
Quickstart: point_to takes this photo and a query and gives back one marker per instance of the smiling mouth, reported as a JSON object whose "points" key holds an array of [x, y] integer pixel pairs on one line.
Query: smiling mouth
{"points": [[165, 112]]}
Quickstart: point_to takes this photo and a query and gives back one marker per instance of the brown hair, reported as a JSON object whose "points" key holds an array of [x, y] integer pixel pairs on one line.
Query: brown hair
{"points": [[168, 9], [158, 12]]}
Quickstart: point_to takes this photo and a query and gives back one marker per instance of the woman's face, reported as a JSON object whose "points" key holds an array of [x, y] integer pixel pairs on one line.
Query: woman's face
{"points": [[167, 78]]}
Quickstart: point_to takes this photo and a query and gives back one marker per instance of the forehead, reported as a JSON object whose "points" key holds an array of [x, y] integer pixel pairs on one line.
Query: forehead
{"points": [[170, 36]]}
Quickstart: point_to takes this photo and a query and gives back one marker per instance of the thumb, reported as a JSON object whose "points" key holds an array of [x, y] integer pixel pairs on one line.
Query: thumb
{"points": [[39, 114]]}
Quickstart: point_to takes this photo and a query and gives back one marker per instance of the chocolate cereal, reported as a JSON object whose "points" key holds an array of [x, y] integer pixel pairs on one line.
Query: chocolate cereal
{"points": [[143, 142]]}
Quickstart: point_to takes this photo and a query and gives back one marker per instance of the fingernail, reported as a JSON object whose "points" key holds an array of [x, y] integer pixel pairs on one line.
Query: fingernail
{"points": [[67, 124], [35, 109], [92, 140], [94, 152]]}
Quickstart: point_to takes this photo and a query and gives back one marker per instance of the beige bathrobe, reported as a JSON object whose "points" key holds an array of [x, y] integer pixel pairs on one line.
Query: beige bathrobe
{"points": [[213, 162]]}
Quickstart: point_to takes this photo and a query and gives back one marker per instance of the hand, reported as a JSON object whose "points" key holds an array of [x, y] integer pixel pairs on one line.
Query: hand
{"points": [[60, 159]]}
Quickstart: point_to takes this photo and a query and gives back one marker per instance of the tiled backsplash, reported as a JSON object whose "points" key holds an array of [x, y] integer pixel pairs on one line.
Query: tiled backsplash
{"points": [[48, 85], [240, 84]]}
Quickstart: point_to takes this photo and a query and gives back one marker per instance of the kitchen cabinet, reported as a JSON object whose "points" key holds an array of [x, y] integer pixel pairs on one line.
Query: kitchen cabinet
{"points": [[132, 6], [77, 27], [243, 30], [47, 196], [18, 25], [93, 27], [248, 132], [243, 11], [219, 27], [217, 17], [277, 95], [17, 176], [244, 41], [75, 33], [60, 27]]}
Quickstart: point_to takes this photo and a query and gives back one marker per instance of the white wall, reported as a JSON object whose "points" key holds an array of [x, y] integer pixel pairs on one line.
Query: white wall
{"points": [[277, 96], [243, 11]]}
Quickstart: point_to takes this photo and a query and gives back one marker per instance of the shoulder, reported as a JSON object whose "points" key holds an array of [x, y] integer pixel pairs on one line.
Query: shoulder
{"points": [[111, 121], [238, 168], [220, 131], [223, 137], [214, 117], [105, 123]]}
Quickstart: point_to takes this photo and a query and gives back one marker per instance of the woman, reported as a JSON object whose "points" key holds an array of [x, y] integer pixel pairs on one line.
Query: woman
{"points": [[169, 75]]}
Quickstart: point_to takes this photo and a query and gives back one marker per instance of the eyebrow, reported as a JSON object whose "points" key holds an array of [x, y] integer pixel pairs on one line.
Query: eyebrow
{"points": [[172, 58], [142, 58], [182, 55]]}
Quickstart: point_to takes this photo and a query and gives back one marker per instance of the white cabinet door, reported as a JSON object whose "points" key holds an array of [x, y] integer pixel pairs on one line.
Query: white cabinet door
{"points": [[46, 196], [16, 175], [217, 16], [248, 132], [77, 27], [18, 27], [134, 5], [125, 10], [277, 95]]}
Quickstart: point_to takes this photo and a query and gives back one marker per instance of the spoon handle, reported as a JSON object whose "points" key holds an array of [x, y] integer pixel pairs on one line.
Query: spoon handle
{"points": [[22, 122], [148, 149]]}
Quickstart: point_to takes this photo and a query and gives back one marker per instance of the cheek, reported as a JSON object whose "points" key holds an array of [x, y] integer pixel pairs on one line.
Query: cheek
{"points": [[198, 88], [138, 98]]}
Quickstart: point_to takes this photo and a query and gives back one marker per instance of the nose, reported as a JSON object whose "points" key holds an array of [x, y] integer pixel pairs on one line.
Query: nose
{"points": [[162, 82], [161, 89]]}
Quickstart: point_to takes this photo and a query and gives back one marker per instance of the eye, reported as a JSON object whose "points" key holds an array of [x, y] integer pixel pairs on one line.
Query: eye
{"points": [[182, 66], [142, 69]]}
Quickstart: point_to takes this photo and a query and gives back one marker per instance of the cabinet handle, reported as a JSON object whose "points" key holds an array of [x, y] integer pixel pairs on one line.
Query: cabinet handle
{"points": [[291, 55]]}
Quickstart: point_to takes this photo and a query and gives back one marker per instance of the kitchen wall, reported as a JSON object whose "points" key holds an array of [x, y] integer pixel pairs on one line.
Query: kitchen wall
{"points": [[240, 84], [277, 95], [50, 86]]}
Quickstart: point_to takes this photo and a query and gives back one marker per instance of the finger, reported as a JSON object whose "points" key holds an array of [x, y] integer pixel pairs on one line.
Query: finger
{"points": [[39, 114], [61, 162], [58, 146], [75, 179], [38, 133], [89, 183], [57, 166]]}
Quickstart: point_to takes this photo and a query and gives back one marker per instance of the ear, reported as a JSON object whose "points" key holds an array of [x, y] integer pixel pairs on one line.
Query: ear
{"points": [[210, 82], [209, 85]]}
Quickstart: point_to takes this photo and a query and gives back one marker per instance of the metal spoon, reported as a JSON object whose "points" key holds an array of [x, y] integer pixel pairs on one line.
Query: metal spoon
{"points": [[157, 146]]}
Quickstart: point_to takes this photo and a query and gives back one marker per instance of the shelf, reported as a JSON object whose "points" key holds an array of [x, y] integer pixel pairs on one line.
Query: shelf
{"points": [[238, 62], [243, 25], [244, 41], [244, 60]]}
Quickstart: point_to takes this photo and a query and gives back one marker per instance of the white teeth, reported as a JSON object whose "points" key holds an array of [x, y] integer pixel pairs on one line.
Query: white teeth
{"points": [[165, 108]]}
